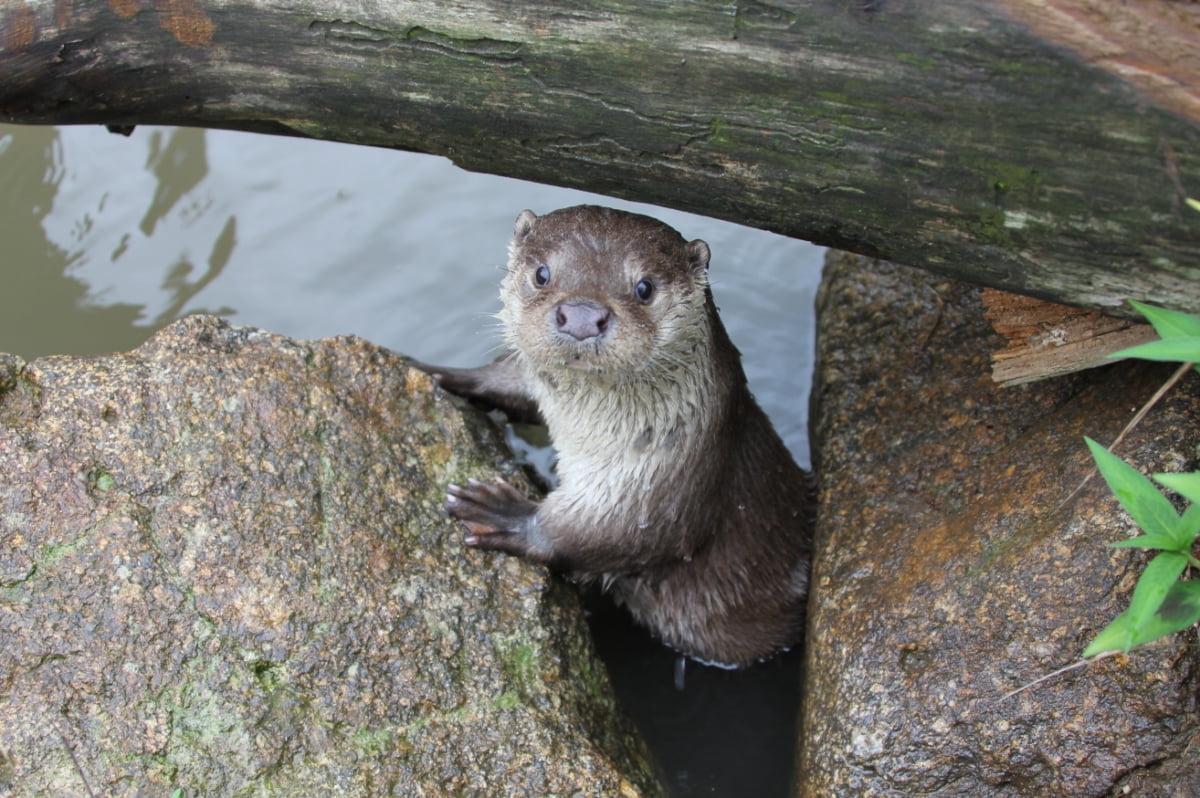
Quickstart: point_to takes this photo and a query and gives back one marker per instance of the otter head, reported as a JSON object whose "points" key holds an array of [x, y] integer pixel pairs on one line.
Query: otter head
{"points": [[605, 292]]}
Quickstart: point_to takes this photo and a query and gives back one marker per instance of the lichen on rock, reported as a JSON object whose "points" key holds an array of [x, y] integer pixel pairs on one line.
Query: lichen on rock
{"points": [[226, 568], [956, 561]]}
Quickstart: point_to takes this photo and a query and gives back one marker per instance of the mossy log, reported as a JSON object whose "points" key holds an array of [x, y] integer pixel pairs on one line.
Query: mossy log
{"points": [[1051, 157]]}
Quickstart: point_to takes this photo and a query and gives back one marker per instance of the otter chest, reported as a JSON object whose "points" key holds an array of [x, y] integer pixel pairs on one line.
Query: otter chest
{"points": [[620, 438]]}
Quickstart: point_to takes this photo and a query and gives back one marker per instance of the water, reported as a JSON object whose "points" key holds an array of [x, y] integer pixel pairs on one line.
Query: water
{"points": [[104, 239]]}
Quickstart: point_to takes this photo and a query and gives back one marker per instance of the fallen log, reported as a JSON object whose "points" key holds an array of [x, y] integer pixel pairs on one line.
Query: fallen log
{"points": [[948, 135]]}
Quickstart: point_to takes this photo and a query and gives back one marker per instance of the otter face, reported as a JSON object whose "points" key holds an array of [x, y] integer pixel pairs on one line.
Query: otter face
{"points": [[602, 291]]}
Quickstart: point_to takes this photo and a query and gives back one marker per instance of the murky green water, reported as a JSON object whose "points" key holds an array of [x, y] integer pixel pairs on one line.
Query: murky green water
{"points": [[104, 238]]}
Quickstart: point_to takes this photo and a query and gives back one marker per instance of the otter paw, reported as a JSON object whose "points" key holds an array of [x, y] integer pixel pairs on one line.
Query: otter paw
{"points": [[463, 382], [495, 513]]}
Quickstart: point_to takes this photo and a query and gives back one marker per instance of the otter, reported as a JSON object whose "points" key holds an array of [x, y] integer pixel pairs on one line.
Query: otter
{"points": [[674, 491]]}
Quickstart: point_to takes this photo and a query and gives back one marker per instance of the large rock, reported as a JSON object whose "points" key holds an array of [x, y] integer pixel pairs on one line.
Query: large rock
{"points": [[225, 568], [955, 562]]}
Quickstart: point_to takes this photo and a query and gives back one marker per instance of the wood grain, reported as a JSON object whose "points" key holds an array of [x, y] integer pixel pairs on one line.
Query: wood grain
{"points": [[1046, 339]]}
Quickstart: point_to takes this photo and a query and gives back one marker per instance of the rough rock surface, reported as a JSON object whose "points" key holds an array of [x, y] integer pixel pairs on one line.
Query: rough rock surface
{"points": [[954, 565], [225, 568]]}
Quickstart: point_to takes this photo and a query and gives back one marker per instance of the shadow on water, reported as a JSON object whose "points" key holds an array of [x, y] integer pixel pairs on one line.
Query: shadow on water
{"points": [[725, 733]]}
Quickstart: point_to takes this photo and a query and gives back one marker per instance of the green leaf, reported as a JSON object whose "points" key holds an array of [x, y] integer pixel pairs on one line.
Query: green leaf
{"points": [[1159, 607], [1193, 204], [1179, 610], [1179, 349], [1186, 485], [1164, 542], [1150, 509], [1152, 586], [1168, 323], [1189, 522], [1114, 637], [1117, 636]]}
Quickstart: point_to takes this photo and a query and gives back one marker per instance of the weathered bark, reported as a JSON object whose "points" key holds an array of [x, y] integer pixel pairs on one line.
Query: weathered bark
{"points": [[943, 134], [1046, 339]]}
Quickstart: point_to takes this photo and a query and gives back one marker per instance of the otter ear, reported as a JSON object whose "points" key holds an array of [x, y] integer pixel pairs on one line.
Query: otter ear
{"points": [[524, 223], [698, 254]]}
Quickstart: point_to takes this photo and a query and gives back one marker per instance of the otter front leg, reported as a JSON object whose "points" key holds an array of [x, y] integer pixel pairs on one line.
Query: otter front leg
{"points": [[499, 518], [501, 384]]}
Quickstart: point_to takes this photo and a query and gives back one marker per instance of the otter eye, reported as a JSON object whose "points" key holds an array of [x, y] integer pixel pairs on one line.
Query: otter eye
{"points": [[644, 291], [541, 276]]}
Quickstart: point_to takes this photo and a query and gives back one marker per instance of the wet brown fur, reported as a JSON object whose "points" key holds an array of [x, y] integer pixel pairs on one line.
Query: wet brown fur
{"points": [[675, 490]]}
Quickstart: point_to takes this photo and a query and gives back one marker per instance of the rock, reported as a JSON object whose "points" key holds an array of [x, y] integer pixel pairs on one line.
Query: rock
{"points": [[954, 565], [226, 570]]}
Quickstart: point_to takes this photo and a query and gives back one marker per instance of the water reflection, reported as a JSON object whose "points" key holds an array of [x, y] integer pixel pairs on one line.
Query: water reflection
{"points": [[179, 166], [182, 289], [63, 213], [105, 238], [43, 308]]}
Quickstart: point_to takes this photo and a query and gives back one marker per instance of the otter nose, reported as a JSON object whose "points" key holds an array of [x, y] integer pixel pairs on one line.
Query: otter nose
{"points": [[582, 320]]}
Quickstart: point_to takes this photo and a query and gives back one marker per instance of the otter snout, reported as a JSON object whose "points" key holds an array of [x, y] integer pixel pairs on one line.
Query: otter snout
{"points": [[582, 320]]}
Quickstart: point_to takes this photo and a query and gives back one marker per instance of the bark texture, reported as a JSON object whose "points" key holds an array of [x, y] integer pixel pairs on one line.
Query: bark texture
{"points": [[946, 135]]}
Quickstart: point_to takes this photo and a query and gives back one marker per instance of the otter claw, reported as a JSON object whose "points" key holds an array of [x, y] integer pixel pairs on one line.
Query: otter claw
{"points": [[508, 542], [495, 514]]}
